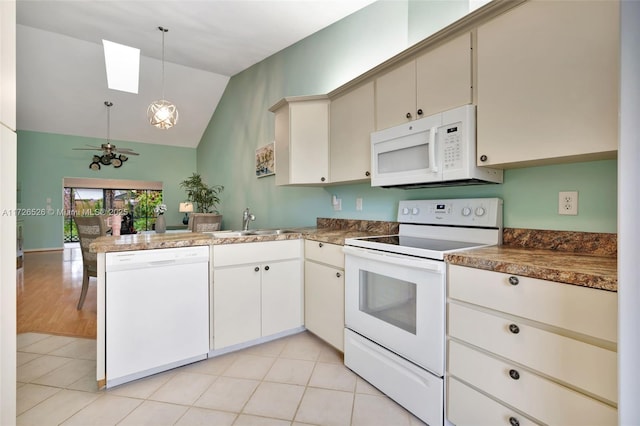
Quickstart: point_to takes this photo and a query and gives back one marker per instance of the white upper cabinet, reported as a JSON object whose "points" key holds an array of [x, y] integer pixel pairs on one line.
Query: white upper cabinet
{"points": [[352, 121], [547, 83], [396, 96], [436, 80], [302, 140], [443, 76], [8, 63]]}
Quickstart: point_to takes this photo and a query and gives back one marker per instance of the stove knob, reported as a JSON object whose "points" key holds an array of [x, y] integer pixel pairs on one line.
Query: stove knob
{"points": [[480, 211], [466, 211], [415, 210], [405, 211]]}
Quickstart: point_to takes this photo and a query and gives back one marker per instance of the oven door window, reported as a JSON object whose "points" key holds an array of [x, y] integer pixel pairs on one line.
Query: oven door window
{"points": [[388, 299]]}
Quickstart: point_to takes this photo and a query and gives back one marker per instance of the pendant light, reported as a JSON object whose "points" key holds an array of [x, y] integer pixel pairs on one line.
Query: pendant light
{"points": [[162, 113]]}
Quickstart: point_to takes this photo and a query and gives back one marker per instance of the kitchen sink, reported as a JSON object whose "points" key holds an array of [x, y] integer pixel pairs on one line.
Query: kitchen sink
{"points": [[272, 231], [226, 234], [229, 234]]}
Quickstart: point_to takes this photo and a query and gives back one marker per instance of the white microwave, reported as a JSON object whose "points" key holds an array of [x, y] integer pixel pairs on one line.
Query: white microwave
{"points": [[437, 150]]}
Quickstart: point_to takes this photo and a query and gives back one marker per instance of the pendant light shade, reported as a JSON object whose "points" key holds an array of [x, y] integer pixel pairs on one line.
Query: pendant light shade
{"points": [[162, 113]]}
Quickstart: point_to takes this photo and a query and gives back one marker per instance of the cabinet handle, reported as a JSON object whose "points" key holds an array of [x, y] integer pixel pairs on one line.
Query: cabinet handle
{"points": [[320, 245], [483, 158], [256, 269], [514, 374], [322, 179], [420, 111], [408, 115], [514, 328], [513, 421], [514, 280], [338, 274], [266, 268], [367, 174]]}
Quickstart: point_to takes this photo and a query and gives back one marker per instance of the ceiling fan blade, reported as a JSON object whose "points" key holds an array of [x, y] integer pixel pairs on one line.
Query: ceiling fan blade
{"points": [[92, 146], [87, 149], [131, 153]]}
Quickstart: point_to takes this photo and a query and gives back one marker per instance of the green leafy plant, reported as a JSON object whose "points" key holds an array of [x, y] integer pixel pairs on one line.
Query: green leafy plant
{"points": [[204, 196]]}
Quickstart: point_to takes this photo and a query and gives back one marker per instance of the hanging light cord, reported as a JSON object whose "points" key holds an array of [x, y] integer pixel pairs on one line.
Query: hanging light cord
{"points": [[164, 30]]}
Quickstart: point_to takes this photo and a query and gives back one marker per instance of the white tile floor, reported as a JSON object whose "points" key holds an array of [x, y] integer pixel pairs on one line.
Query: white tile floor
{"points": [[297, 380]]}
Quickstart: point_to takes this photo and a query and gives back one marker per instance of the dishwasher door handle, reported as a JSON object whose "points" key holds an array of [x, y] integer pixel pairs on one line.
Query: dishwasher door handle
{"points": [[161, 262]]}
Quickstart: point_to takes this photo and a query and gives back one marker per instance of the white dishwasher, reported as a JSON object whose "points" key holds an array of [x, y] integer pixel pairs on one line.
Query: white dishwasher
{"points": [[157, 311]]}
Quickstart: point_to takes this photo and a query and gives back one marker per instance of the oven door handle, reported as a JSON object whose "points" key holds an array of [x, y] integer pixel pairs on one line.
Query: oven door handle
{"points": [[395, 259]]}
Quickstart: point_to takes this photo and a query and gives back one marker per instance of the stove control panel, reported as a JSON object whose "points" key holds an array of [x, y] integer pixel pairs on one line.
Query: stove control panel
{"points": [[480, 212]]}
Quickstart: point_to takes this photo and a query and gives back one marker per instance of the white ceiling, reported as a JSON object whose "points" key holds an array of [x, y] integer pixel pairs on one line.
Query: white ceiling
{"points": [[61, 75]]}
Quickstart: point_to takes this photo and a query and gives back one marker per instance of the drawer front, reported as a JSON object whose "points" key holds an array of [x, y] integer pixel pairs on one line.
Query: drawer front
{"points": [[331, 254], [539, 398], [580, 309], [258, 252], [467, 406], [566, 359]]}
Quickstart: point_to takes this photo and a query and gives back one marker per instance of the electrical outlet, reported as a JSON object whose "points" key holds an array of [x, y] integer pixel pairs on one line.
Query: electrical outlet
{"points": [[337, 206], [568, 202], [359, 204]]}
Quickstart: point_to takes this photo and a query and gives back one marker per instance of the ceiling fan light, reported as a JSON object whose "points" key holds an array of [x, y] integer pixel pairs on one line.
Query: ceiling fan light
{"points": [[162, 114]]}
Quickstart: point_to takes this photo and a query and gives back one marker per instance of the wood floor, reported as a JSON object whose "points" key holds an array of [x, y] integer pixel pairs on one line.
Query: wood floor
{"points": [[48, 291]]}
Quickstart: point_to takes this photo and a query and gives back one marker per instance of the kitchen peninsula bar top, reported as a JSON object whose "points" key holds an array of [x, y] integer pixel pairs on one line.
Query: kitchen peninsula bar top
{"points": [[333, 231]]}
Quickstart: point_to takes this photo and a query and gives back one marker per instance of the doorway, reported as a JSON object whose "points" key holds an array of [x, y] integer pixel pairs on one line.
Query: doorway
{"points": [[138, 204]]}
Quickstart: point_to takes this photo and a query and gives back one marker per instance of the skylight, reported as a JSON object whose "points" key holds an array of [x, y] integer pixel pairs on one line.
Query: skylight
{"points": [[123, 66]]}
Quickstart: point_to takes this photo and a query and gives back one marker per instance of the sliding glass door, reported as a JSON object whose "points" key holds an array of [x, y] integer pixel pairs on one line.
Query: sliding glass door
{"points": [[135, 206]]}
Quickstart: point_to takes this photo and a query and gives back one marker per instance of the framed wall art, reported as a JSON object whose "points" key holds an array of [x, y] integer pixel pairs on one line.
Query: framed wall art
{"points": [[265, 160]]}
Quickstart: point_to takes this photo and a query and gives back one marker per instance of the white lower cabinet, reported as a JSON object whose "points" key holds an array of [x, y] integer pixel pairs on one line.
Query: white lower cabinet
{"points": [[237, 304], [257, 290], [524, 350], [467, 406], [324, 292]]}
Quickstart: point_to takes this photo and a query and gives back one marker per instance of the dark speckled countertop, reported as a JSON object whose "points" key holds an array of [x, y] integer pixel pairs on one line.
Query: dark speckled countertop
{"points": [[578, 258], [333, 231]]}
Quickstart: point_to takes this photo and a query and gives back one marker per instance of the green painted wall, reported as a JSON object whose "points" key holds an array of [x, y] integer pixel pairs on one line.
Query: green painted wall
{"points": [[44, 159], [332, 57]]}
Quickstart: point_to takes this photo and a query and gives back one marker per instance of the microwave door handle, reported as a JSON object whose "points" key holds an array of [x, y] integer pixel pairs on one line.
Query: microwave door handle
{"points": [[432, 149]]}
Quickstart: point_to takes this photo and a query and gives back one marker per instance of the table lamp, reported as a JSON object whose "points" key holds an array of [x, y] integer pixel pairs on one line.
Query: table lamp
{"points": [[186, 208]]}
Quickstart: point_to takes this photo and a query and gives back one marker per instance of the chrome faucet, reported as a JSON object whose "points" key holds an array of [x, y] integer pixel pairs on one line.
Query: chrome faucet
{"points": [[246, 217]]}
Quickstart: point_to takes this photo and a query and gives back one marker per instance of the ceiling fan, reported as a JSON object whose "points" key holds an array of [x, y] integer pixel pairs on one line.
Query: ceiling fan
{"points": [[111, 155]]}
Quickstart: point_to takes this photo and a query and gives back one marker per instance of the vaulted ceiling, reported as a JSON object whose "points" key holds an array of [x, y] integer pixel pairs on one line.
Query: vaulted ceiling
{"points": [[62, 82]]}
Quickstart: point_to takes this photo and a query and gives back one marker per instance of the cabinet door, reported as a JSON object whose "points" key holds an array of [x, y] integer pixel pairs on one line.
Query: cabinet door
{"points": [[548, 83], [396, 96], [309, 145], [324, 303], [443, 76], [236, 305], [281, 296], [302, 140], [352, 121]]}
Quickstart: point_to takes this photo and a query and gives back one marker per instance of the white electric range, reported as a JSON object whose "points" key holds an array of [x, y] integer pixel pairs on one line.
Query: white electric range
{"points": [[395, 291]]}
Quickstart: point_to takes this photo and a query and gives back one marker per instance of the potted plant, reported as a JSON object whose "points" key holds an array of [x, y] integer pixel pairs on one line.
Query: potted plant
{"points": [[205, 197]]}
